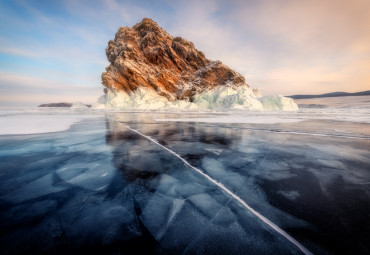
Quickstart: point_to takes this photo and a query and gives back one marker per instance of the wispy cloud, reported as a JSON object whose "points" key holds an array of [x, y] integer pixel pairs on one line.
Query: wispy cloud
{"points": [[21, 80], [287, 44], [19, 52]]}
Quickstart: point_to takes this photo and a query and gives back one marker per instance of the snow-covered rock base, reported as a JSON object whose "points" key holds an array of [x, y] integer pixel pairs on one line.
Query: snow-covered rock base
{"points": [[219, 98]]}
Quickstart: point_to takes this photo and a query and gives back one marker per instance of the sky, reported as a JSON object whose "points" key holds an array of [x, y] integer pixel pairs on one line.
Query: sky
{"points": [[54, 51]]}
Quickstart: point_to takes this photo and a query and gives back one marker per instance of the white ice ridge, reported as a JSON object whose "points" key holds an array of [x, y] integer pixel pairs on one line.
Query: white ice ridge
{"points": [[219, 98], [260, 216]]}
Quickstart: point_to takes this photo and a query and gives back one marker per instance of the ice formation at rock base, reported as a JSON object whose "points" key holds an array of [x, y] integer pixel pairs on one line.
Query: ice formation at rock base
{"points": [[152, 70], [79, 105], [218, 98]]}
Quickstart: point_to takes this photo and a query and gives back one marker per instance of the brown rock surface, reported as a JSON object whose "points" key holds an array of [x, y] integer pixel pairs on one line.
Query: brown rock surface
{"points": [[145, 55]]}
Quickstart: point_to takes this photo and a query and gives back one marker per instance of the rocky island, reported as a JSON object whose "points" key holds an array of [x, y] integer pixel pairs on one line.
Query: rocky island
{"points": [[151, 69], [75, 105], [56, 105]]}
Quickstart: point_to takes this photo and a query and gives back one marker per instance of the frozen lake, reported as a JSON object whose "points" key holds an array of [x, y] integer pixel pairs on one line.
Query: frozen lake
{"points": [[193, 183]]}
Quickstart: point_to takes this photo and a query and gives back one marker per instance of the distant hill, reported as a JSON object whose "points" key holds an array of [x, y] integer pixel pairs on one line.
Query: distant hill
{"points": [[56, 105], [332, 94]]}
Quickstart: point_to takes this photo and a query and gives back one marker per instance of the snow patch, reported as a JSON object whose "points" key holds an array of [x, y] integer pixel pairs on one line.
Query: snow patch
{"points": [[36, 124]]}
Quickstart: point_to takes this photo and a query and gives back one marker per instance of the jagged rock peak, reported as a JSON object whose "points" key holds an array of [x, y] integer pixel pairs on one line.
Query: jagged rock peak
{"points": [[146, 56]]}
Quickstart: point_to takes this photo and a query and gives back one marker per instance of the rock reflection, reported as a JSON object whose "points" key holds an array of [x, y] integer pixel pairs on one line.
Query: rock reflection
{"points": [[141, 160]]}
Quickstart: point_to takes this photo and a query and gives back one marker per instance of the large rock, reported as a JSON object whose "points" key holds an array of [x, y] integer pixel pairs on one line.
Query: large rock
{"points": [[146, 56], [152, 70]]}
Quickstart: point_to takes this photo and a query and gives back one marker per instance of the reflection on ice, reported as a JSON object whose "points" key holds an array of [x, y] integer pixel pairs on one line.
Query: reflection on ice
{"points": [[228, 192], [101, 187]]}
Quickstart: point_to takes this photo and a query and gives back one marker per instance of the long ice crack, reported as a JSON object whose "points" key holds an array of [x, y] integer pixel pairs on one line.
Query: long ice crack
{"points": [[260, 216]]}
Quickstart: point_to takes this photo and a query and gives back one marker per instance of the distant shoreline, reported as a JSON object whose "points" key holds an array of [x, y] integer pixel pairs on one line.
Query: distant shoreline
{"points": [[60, 105], [56, 105], [332, 94]]}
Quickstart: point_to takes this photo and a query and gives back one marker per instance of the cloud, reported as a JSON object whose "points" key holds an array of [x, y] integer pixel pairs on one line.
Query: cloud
{"points": [[317, 24], [285, 46], [315, 41], [51, 79]]}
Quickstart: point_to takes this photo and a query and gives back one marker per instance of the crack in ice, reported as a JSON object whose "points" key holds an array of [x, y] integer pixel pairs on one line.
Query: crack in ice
{"points": [[220, 185]]}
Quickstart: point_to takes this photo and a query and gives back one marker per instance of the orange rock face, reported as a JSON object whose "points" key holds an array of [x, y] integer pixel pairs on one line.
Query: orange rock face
{"points": [[145, 55]]}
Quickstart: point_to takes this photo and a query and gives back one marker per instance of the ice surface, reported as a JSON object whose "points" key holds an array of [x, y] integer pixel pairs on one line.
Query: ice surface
{"points": [[102, 187], [92, 176], [228, 191], [159, 213], [237, 118], [40, 187], [292, 195], [349, 102], [269, 117], [205, 204]]}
